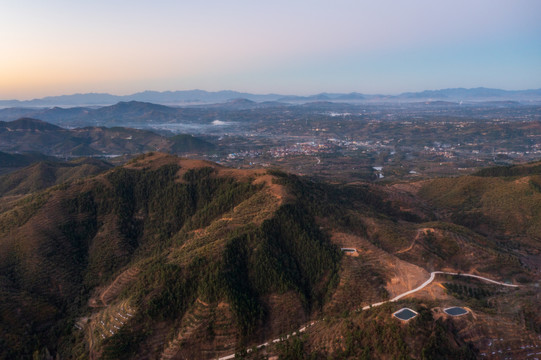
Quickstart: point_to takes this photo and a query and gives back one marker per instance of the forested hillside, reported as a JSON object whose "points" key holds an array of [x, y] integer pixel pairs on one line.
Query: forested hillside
{"points": [[173, 258]]}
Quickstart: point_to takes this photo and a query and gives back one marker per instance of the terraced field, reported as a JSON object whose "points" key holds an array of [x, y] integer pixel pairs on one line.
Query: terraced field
{"points": [[206, 331]]}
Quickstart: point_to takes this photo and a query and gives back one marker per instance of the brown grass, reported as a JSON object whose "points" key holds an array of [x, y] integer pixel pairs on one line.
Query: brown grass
{"points": [[400, 276]]}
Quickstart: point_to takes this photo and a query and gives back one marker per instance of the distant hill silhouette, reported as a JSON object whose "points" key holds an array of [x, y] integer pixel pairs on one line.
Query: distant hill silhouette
{"points": [[28, 124], [27, 135]]}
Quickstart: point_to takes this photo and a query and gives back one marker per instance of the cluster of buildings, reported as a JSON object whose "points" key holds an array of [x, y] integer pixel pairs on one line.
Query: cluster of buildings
{"points": [[306, 148]]}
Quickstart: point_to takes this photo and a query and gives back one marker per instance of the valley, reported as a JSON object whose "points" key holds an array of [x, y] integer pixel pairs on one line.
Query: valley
{"points": [[359, 141]]}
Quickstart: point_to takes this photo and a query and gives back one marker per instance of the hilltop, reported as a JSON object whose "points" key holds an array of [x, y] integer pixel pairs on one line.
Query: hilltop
{"points": [[156, 219], [501, 203]]}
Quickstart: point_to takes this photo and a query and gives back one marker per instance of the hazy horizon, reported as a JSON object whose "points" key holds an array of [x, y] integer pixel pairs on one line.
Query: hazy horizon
{"points": [[302, 48], [253, 93]]}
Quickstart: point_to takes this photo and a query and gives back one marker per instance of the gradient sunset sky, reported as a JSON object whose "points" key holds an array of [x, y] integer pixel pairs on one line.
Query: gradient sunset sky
{"points": [[58, 47]]}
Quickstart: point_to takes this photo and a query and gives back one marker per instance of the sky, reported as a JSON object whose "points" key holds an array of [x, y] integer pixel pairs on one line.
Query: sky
{"points": [[302, 47]]}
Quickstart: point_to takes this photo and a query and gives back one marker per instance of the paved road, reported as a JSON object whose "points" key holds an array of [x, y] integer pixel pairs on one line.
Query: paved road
{"points": [[430, 279], [396, 298], [477, 277]]}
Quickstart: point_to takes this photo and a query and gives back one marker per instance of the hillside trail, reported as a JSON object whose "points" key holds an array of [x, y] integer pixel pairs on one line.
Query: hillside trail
{"points": [[419, 231]]}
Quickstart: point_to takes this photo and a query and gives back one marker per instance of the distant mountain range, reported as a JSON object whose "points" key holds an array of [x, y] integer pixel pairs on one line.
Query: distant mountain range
{"points": [[191, 97], [165, 97]]}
